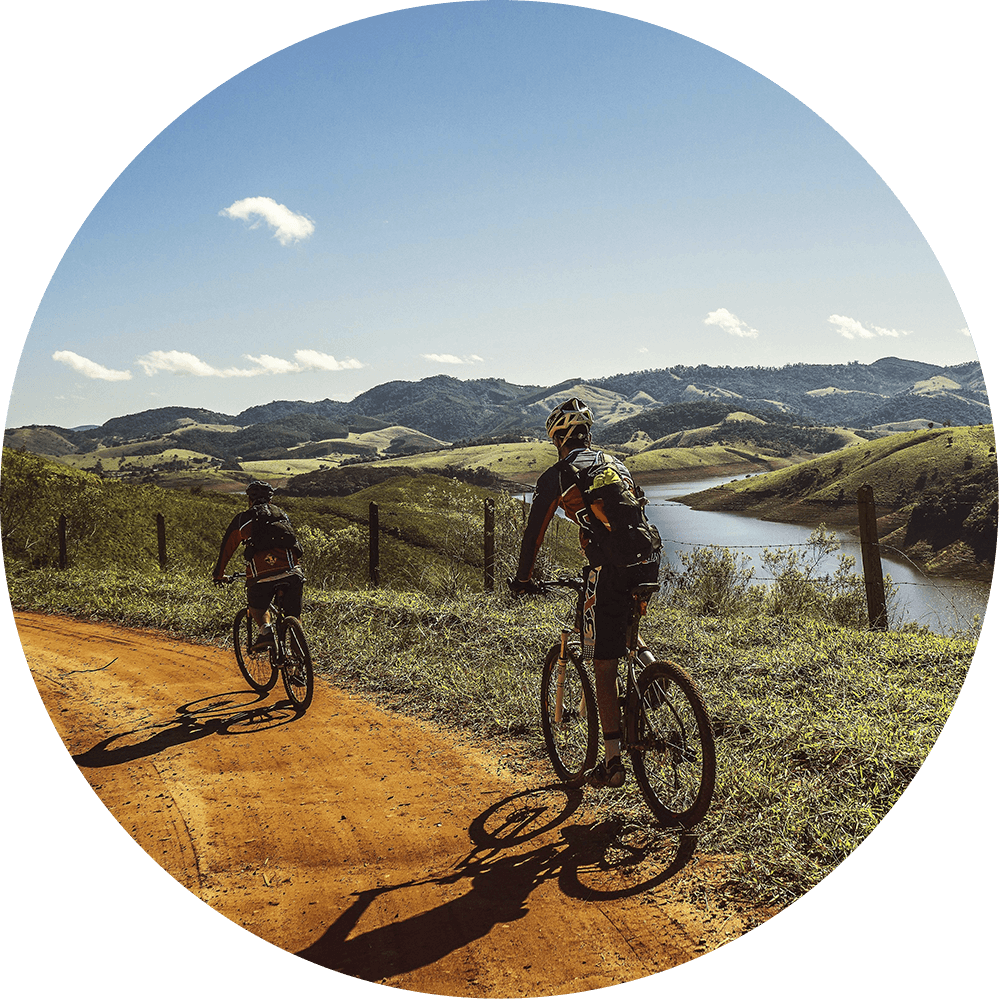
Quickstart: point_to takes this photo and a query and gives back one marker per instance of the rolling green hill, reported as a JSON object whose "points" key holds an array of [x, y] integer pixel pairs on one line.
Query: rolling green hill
{"points": [[431, 526], [935, 494]]}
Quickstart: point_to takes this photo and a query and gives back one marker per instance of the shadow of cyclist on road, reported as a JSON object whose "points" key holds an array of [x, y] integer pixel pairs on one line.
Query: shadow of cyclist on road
{"points": [[583, 858], [219, 715]]}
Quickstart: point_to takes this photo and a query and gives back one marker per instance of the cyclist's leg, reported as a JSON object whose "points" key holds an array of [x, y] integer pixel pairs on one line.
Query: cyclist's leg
{"points": [[259, 596], [291, 596], [610, 621], [260, 616], [606, 675]]}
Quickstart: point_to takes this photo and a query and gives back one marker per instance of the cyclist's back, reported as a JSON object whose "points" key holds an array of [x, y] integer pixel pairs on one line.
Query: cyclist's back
{"points": [[559, 486]]}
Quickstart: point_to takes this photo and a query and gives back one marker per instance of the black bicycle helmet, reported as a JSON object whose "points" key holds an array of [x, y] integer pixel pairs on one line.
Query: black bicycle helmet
{"points": [[259, 492], [568, 416]]}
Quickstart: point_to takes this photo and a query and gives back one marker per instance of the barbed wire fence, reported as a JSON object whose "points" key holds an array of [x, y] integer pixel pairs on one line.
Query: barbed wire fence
{"points": [[871, 572]]}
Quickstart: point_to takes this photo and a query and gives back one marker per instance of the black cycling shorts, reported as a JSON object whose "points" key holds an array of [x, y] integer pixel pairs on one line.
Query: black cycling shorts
{"points": [[607, 606], [260, 593]]}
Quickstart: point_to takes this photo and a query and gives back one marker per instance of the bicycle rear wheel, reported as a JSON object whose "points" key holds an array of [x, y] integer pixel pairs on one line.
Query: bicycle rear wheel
{"points": [[569, 716], [297, 669], [258, 669], [671, 745]]}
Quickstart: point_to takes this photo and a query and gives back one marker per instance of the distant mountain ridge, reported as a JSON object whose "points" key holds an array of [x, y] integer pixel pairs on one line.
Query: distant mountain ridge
{"points": [[890, 390]]}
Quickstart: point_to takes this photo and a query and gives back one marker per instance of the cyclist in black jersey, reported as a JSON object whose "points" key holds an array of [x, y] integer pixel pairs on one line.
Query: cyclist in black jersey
{"points": [[272, 555], [607, 601]]}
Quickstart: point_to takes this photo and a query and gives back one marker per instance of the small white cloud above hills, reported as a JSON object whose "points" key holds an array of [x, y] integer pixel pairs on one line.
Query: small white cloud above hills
{"points": [[731, 323], [90, 369], [289, 227]]}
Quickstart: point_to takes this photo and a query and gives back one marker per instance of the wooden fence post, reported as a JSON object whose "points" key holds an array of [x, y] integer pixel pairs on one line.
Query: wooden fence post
{"points": [[161, 540], [373, 567], [489, 543], [871, 560], [63, 561]]}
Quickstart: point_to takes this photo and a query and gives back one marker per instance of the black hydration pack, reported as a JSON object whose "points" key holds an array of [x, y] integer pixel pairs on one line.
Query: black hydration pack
{"points": [[618, 530], [270, 528]]}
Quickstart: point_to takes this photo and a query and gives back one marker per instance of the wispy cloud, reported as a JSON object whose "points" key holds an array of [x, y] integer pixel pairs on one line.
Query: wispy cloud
{"points": [[324, 362], [644, 350], [851, 328], [184, 363], [90, 369], [289, 227], [273, 366], [451, 359], [725, 320], [965, 331]]}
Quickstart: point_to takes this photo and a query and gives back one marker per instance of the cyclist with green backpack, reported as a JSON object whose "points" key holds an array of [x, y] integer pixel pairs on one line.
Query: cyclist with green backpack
{"points": [[272, 554], [621, 547]]}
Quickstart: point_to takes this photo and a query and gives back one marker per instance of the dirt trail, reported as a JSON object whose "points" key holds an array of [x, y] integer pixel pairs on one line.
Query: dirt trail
{"points": [[364, 841]]}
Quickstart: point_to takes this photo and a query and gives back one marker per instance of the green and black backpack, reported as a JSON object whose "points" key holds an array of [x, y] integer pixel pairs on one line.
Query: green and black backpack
{"points": [[617, 524]]}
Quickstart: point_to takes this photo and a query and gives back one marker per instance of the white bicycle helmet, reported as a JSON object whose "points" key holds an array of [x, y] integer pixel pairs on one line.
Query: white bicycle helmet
{"points": [[566, 416]]}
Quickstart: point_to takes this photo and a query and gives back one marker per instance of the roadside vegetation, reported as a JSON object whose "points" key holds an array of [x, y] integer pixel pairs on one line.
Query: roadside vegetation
{"points": [[820, 723]]}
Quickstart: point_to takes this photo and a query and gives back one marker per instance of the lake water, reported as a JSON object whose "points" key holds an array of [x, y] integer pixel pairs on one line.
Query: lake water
{"points": [[943, 605]]}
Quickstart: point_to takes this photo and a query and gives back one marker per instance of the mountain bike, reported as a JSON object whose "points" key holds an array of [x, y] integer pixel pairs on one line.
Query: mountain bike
{"points": [[667, 731], [288, 653]]}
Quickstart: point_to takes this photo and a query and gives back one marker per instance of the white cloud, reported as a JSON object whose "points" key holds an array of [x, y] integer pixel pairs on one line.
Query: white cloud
{"points": [[289, 227], [90, 369], [273, 366], [325, 362], [182, 363], [851, 328], [724, 319], [965, 331], [451, 359], [644, 350]]}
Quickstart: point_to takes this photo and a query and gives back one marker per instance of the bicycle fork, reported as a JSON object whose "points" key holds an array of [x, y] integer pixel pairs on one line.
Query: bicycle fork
{"points": [[561, 681]]}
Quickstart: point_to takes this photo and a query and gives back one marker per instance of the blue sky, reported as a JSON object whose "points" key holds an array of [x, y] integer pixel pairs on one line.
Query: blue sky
{"points": [[525, 191]]}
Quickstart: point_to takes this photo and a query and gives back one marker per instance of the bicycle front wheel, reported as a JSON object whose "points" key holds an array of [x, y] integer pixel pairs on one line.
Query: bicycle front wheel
{"points": [[671, 745], [569, 716], [258, 669], [297, 668]]}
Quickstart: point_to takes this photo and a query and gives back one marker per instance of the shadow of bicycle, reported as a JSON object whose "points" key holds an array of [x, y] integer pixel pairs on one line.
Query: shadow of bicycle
{"points": [[227, 714], [590, 861], [610, 859]]}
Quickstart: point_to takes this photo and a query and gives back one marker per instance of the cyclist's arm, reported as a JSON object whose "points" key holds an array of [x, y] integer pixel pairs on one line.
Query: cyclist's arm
{"points": [[230, 543], [543, 508]]}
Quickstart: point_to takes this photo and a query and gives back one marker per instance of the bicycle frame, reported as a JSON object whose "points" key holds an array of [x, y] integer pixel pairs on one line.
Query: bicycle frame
{"points": [[278, 628]]}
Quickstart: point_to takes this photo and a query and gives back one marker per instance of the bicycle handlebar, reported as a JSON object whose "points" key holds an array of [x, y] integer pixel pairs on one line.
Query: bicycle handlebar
{"points": [[546, 586], [577, 584], [566, 582]]}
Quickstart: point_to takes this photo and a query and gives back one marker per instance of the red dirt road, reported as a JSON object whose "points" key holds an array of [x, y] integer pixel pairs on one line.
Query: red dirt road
{"points": [[367, 842]]}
